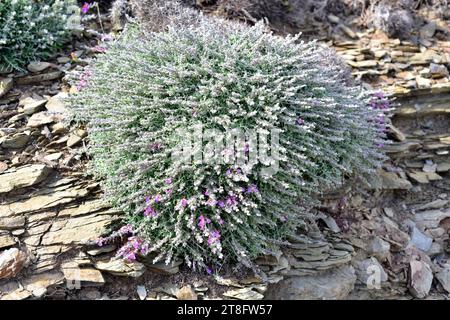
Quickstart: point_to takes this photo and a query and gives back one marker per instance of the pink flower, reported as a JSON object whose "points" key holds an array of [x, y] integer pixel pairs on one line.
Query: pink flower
{"points": [[184, 202], [202, 221], [99, 49], [85, 8]]}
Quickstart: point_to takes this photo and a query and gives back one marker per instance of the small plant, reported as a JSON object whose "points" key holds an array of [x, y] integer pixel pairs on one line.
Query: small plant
{"points": [[32, 30], [149, 95]]}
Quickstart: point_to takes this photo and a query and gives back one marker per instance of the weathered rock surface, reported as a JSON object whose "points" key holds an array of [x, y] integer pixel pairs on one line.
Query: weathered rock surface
{"points": [[186, 293], [444, 278], [5, 85], [12, 262], [81, 277], [243, 294], [331, 285], [120, 267], [25, 176], [370, 272], [421, 278]]}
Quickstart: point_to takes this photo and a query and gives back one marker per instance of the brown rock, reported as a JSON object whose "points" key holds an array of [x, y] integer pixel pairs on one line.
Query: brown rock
{"points": [[5, 85], [391, 180], [119, 267], [6, 241], [22, 177], [186, 293], [80, 277], [12, 262]]}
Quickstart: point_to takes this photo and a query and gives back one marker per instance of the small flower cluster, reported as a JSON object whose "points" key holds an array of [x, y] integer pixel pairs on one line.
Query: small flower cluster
{"points": [[133, 247], [123, 232], [32, 30], [147, 87]]}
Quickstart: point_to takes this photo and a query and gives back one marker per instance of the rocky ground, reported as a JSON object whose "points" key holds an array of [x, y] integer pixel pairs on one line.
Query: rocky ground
{"points": [[386, 241]]}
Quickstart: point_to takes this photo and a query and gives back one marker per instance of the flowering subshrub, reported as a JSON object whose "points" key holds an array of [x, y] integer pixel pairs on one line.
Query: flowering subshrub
{"points": [[193, 85], [32, 29]]}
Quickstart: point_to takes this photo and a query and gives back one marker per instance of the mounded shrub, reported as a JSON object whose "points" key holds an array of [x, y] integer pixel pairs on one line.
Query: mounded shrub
{"points": [[32, 30], [141, 98]]}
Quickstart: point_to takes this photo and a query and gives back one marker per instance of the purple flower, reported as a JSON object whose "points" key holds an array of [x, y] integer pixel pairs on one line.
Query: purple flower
{"points": [[100, 241], [168, 181], [184, 202], [228, 172], [157, 198], [209, 270], [149, 211], [221, 204], [144, 249], [130, 257], [206, 193], [300, 121], [214, 237], [252, 189], [85, 8], [231, 200]]}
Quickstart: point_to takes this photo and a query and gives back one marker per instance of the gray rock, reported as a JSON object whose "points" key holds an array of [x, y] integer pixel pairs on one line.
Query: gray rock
{"points": [[38, 66], [420, 240], [40, 119], [370, 272], [142, 292], [428, 30], [16, 141], [444, 278], [31, 106], [438, 70], [430, 219], [331, 285], [378, 248], [420, 279], [56, 103]]}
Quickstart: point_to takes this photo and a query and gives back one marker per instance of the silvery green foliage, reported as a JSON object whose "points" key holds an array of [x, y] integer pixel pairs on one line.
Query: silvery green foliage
{"points": [[221, 75], [31, 30], [157, 15]]}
